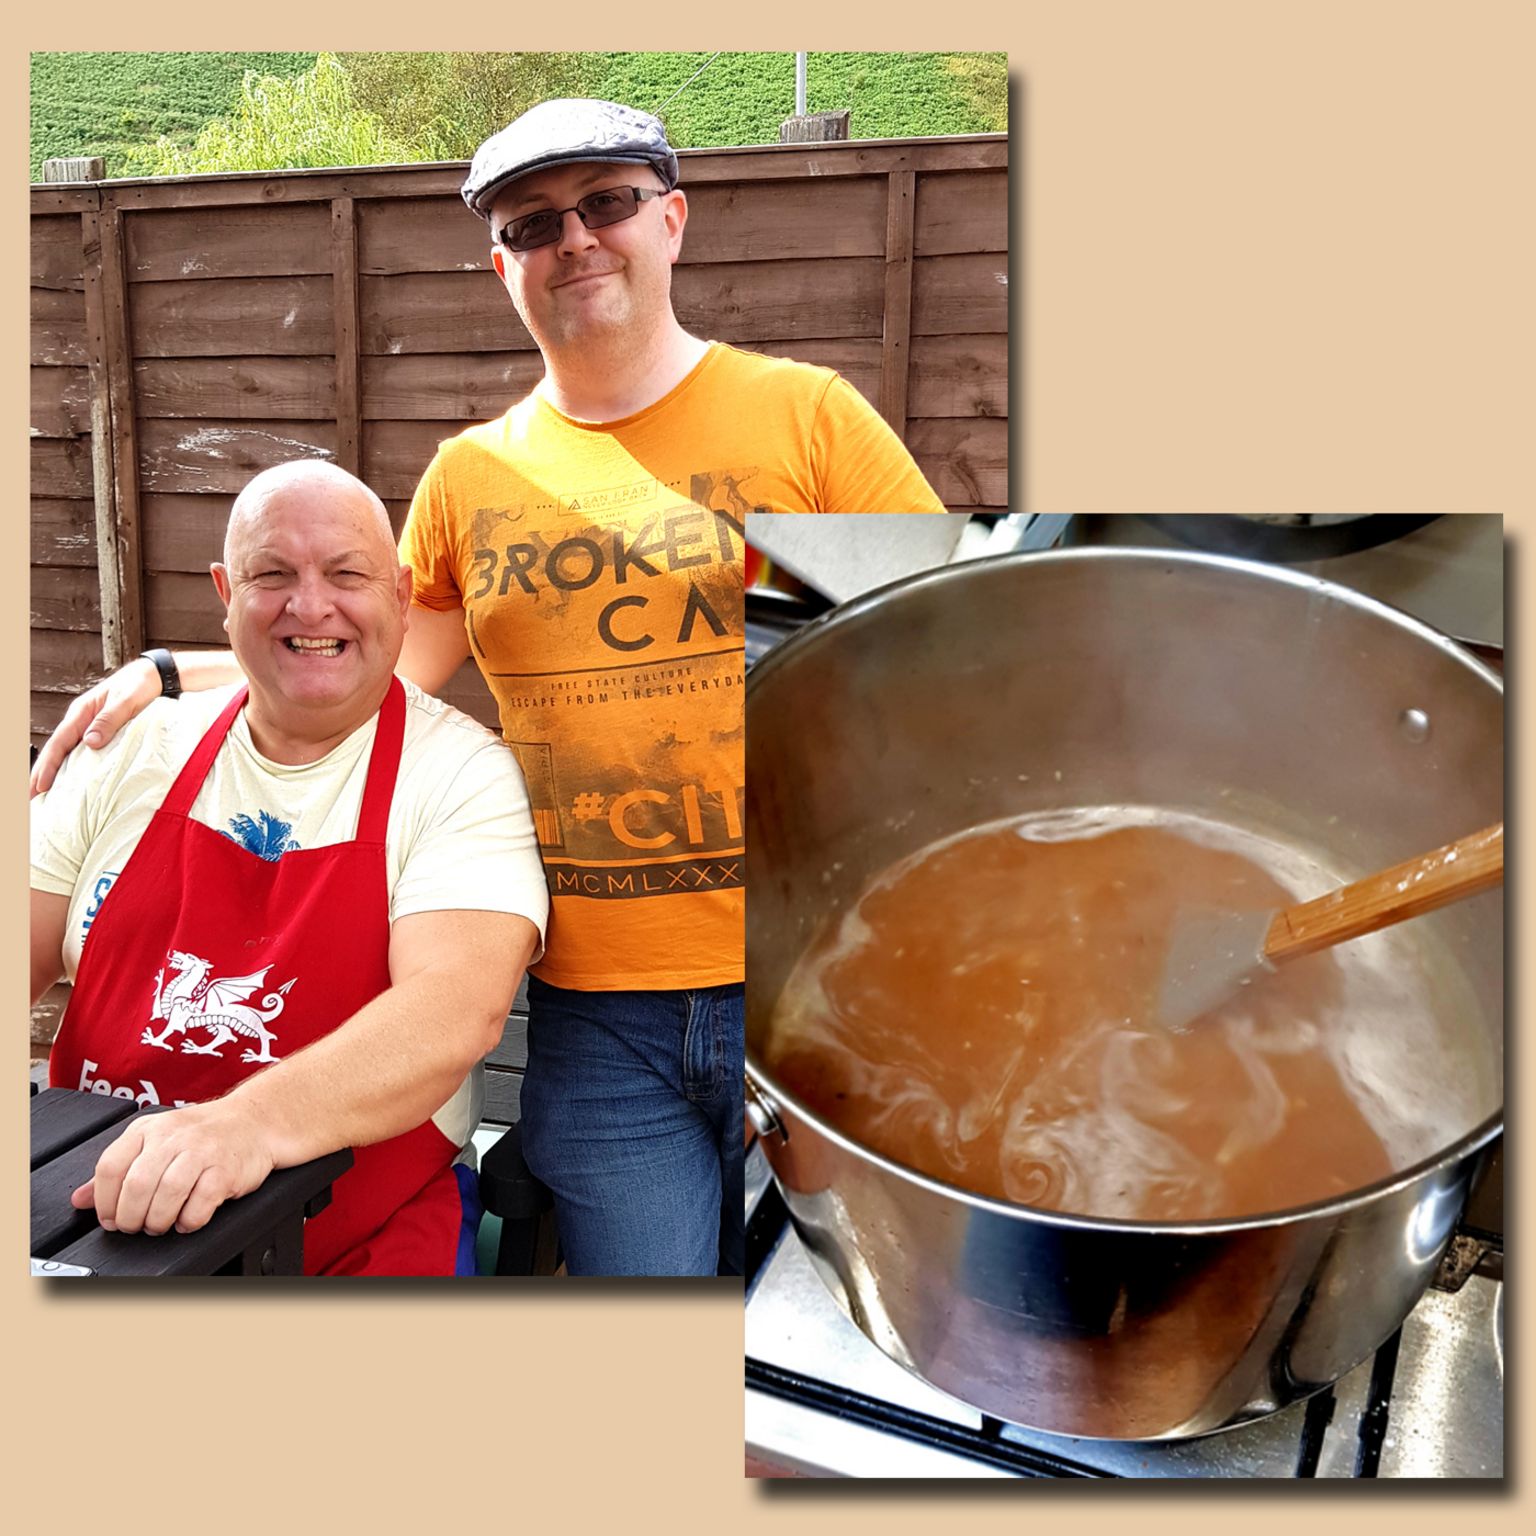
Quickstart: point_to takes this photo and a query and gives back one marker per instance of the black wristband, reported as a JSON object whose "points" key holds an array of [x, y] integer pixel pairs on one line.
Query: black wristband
{"points": [[165, 665]]}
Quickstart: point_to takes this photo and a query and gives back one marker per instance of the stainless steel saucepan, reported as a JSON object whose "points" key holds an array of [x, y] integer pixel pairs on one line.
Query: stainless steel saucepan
{"points": [[993, 689]]}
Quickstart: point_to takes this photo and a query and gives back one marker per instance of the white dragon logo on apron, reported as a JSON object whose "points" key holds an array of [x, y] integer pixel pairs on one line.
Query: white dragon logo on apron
{"points": [[196, 999]]}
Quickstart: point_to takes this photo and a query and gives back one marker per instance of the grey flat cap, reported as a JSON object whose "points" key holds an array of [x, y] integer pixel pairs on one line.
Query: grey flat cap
{"points": [[567, 131]]}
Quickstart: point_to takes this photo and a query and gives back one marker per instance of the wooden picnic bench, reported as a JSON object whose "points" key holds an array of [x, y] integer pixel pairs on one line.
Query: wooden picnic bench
{"points": [[529, 1243], [260, 1234]]}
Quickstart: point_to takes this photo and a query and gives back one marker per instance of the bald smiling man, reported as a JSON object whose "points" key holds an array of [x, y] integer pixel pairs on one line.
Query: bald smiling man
{"points": [[298, 910]]}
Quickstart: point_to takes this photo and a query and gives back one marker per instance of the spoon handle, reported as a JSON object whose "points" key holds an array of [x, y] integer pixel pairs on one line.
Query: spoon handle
{"points": [[1471, 864]]}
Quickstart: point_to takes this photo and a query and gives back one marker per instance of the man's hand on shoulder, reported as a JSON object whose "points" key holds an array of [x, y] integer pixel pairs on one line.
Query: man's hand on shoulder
{"points": [[176, 1169], [96, 716]]}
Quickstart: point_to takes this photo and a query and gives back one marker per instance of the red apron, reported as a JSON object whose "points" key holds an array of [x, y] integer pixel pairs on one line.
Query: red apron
{"points": [[206, 962]]}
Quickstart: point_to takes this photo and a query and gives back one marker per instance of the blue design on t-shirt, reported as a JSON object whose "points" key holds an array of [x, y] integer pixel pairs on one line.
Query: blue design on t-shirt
{"points": [[267, 837], [98, 895]]}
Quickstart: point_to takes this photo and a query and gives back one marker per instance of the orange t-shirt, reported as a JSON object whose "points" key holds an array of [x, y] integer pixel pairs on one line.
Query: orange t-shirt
{"points": [[600, 571]]}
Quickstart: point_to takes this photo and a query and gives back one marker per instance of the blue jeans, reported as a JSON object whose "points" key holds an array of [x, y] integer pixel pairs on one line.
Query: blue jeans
{"points": [[632, 1115]]}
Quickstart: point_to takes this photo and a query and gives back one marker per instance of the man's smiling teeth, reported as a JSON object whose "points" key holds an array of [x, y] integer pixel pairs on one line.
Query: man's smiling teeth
{"points": [[315, 647]]}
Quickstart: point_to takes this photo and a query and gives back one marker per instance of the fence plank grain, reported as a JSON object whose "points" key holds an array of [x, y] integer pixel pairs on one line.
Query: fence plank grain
{"points": [[966, 461], [223, 455], [959, 376], [61, 402], [263, 241], [61, 466], [55, 249], [263, 388], [63, 531], [278, 316], [959, 294], [64, 597], [184, 532], [959, 211]]}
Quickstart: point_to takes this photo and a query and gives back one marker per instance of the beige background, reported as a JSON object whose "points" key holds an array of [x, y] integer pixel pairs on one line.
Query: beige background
{"points": [[1269, 256]]}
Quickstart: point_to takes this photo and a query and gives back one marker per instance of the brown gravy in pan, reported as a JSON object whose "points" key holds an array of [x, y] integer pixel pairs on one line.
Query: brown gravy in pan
{"points": [[983, 1014]]}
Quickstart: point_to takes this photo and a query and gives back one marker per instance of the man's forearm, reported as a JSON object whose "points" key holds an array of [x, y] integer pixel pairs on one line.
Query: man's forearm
{"points": [[206, 669], [399, 1058], [383, 1072]]}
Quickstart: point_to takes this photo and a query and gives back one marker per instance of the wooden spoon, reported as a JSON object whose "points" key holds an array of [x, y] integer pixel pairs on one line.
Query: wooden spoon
{"points": [[1212, 955]]}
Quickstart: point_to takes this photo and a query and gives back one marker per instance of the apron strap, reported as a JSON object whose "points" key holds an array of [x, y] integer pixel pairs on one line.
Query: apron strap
{"points": [[383, 766], [383, 763], [190, 780]]}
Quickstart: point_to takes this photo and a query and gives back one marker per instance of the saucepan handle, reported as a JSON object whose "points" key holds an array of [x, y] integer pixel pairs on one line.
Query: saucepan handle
{"points": [[762, 1113]]}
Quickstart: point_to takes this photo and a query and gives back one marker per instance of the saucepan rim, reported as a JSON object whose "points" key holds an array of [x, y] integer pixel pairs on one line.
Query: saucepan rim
{"points": [[760, 1081]]}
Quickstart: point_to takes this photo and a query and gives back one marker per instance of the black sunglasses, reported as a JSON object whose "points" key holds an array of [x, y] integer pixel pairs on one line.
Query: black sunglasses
{"points": [[596, 210]]}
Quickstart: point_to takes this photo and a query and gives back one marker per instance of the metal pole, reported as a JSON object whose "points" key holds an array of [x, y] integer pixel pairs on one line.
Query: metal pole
{"points": [[799, 85]]}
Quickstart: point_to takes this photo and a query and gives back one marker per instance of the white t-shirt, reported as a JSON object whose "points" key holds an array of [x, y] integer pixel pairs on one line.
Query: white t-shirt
{"points": [[460, 833]]}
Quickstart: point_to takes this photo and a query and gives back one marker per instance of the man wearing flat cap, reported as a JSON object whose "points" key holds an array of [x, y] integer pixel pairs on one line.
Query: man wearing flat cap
{"points": [[586, 549]]}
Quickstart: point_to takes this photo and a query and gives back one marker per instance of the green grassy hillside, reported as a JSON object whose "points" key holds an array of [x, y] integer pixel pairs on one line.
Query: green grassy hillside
{"points": [[119, 104], [741, 98], [113, 103]]}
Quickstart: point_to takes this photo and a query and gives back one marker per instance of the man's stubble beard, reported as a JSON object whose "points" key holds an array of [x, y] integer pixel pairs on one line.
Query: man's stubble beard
{"points": [[621, 332]]}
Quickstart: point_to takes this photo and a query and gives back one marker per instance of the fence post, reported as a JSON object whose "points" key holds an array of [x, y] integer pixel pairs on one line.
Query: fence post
{"points": [[896, 339], [75, 168], [122, 593], [814, 128], [344, 284]]}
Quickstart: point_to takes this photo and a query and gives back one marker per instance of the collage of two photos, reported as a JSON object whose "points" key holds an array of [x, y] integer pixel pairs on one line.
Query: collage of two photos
{"points": [[516, 794]]}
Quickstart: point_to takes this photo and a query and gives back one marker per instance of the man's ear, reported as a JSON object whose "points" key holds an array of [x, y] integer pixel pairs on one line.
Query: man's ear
{"points": [[220, 574], [674, 210], [499, 260], [404, 585]]}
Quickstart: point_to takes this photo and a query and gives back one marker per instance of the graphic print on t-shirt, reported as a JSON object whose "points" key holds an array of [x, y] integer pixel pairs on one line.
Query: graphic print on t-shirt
{"points": [[267, 836], [611, 643]]}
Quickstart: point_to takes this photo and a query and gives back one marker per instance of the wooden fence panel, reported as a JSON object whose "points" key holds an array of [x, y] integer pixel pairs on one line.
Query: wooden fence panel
{"points": [[241, 321], [276, 316], [965, 459], [66, 597], [55, 246], [438, 312], [453, 386], [223, 455], [63, 662], [959, 211], [61, 466], [261, 387], [58, 327], [61, 402], [743, 302], [959, 376], [181, 608], [959, 295], [184, 532], [190, 243], [63, 532]]}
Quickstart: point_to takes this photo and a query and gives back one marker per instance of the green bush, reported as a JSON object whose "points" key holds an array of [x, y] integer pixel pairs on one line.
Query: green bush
{"points": [[309, 120], [445, 104]]}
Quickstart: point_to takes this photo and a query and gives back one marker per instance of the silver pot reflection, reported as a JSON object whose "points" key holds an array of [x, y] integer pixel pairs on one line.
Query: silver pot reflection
{"points": [[1321, 718]]}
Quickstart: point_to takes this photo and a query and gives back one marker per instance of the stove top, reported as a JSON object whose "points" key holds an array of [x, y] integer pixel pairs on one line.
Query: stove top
{"points": [[822, 1401]]}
